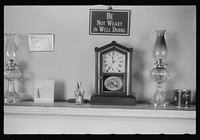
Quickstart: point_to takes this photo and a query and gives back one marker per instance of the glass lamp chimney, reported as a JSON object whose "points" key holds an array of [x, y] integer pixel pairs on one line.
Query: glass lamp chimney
{"points": [[160, 50]]}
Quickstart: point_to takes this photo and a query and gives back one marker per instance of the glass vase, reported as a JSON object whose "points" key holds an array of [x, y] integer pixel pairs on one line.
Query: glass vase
{"points": [[11, 69]]}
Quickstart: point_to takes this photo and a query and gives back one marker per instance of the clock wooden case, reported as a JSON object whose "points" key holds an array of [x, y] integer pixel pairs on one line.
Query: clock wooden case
{"points": [[113, 75]]}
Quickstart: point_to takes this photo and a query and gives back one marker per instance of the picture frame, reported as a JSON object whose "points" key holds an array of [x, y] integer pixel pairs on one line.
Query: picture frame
{"points": [[44, 42], [44, 91], [115, 22]]}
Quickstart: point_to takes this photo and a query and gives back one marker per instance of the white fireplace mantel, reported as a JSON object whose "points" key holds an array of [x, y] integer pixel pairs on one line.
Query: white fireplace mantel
{"points": [[28, 117]]}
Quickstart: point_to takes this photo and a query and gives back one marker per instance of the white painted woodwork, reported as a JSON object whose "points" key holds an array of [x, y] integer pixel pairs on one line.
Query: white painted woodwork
{"points": [[68, 118]]}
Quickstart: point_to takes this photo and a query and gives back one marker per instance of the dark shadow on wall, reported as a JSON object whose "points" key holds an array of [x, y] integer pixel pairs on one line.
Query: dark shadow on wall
{"points": [[27, 74], [193, 100], [59, 91], [23, 80], [137, 77], [173, 52]]}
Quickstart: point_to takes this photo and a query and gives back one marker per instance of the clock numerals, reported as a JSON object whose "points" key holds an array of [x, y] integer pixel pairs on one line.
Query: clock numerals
{"points": [[113, 53], [106, 65], [114, 62]]}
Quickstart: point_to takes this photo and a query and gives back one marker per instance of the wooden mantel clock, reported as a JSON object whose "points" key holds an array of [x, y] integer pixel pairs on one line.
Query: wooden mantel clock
{"points": [[113, 75]]}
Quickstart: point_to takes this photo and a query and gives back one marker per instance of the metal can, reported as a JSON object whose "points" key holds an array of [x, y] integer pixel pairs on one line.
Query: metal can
{"points": [[182, 97]]}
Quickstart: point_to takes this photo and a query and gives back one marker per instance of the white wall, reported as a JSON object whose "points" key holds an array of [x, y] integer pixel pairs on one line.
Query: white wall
{"points": [[73, 59]]}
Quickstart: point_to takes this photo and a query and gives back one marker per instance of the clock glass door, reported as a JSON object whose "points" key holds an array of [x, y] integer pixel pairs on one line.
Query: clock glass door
{"points": [[113, 72]]}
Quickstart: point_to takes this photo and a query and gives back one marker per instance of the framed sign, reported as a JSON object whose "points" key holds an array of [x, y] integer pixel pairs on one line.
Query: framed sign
{"points": [[109, 22], [41, 42]]}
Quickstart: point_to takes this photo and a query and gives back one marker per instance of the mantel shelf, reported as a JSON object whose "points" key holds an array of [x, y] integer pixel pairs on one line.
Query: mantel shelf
{"points": [[65, 108]]}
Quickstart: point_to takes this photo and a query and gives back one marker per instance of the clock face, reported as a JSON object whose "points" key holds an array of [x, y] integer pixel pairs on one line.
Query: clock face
{"points": [[113, 83], [113, 62]]}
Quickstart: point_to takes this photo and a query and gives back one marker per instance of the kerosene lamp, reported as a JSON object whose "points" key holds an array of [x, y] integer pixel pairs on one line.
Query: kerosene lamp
{"points": [[159, 74], [11, 69]]}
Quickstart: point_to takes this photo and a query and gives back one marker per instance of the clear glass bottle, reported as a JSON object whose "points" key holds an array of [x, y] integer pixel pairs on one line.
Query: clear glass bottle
{"points": [[11, 69], [159, 74]]}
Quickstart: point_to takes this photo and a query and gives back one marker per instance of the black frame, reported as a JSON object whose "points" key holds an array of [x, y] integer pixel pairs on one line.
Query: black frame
{"points": [[108, 10]]}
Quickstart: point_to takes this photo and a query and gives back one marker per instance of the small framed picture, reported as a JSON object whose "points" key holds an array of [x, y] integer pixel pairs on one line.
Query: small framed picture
{"points": [[44, 91], [41, 42]]}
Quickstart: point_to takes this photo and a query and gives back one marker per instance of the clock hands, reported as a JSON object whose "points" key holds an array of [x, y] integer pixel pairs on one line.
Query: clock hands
{"points": [[111, 64], [113, 61], [109, 67]]}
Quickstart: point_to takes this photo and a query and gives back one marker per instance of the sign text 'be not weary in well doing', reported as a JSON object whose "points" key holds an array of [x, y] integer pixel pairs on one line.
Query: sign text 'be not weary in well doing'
{"points": [[109, 22]]}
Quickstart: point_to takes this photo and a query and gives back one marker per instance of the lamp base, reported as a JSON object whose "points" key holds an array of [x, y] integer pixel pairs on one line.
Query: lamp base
{"points": [[160, 103], [11, 98]]}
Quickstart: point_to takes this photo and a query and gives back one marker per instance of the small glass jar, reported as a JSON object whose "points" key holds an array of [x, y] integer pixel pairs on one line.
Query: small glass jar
{"points": [[79, 97]]}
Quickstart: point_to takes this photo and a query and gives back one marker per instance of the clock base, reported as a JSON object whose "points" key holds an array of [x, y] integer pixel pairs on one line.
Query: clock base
{"points": [[112, 100]]}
